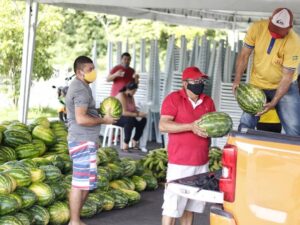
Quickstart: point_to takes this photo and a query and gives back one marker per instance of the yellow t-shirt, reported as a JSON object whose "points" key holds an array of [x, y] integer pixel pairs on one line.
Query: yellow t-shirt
{"points": [[268, 61], [269, 117]]}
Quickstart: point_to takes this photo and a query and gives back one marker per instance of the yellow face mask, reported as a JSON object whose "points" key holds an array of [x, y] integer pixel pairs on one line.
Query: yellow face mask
{"points": [[90, 77]]}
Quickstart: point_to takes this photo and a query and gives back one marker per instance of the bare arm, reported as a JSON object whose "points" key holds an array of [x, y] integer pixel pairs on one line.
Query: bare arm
{"points": [[241, 65], [282, 89], [167, 125], [125, 112], [83, 119], [115, 75]]}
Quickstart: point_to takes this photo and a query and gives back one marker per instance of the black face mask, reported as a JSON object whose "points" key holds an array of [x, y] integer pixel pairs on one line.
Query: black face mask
{"points": [[197, 89]]}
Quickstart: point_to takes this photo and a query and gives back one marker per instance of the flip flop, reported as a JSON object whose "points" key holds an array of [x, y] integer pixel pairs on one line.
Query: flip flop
{"points": [[126, 150], [136, 148]]}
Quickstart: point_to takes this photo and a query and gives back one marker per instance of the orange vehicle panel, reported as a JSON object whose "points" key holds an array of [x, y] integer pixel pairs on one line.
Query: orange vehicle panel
{"points": [[267, 183]]}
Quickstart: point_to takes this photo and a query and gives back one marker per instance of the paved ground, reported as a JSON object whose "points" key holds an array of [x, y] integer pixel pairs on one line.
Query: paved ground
{"points": [[147, 211]]}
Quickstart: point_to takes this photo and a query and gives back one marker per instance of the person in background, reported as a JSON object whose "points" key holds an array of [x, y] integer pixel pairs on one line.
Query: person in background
{"points": [[188, 145], [276, 48], [122, 74], [131, 117], [62, 112], [83, 135], [269, 122]]}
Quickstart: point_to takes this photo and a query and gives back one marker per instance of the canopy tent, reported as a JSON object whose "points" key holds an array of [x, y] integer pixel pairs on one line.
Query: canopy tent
{"points": [[229, 14]]}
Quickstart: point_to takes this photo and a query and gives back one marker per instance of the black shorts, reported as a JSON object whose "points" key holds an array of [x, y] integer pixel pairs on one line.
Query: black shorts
{"points": [[271, 127]]}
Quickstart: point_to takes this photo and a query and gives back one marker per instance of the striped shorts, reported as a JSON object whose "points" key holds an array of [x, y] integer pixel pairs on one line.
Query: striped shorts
{"points": [[83, 155]]}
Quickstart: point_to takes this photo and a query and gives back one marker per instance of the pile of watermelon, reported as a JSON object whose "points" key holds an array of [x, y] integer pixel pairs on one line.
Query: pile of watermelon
{"points": [[35, 176]]}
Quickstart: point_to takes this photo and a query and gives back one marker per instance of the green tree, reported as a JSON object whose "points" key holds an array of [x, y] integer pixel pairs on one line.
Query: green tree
{"points": [[11, 44]]}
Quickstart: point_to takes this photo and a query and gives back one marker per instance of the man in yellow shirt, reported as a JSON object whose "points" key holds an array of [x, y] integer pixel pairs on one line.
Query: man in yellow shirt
{"points": [[276, 50]]}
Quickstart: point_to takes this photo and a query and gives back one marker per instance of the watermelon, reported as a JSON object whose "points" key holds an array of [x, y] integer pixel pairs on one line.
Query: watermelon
{"points": [[29, 198], [216, 124], [93, 197], [67, 167], [8, 204], [27, 151], [28, 163], [40, 215], [6, 184], [129, 167], [120, 199], [139, 183], [57, 124], [37, 175], [59, 213], [19, 200], [28, 214], [108, 200], [133, 196], [44, 193], [18, 126], [13, 164], [14, 138], [89, 209], [24, 218], [118, 184], [53, 174], [116, 170], [102, 157], [42, 161], [7, 153], [111, 153], [56, 161], [39, 146], [59, 148], [21, 175], [111, 106], [104, 172], [103, 183], [1, 136], [59, 191], [129, 183], [139, 167], [10, 220], [2, 128], [250, 98], [151, 182], [44, 134], [43, 121]]}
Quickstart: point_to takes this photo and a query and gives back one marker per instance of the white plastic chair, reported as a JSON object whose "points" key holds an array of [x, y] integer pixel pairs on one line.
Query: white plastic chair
{"points": [[111, 130]]}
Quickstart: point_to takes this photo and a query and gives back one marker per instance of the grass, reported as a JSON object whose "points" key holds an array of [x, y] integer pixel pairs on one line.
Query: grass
{"points": [[12, 113]]}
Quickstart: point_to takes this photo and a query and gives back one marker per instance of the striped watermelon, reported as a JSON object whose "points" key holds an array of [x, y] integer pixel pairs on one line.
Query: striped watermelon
{"points": [[139, 183], [28, 214], [6, 185], [44, 134], [93, 197], [21, 175], [133, 196], [28, 163], [116, 170], [53, 174], [59, 191], [250, 98], [112, 106], [42, 161], [39, 146], [2, 128], [10, 220], [120, 199], [59, 213], [27, 151], [89, 209], [216, 124], [14, 138], [7, 153], [108, 200], [29, 198], [37, 175], [56, 160], [104, 172], [129, 167], [40, 214], [44, 193], [60, 148], [18, 126], [43, 121], [103, 183], [8, 204], [18, 198], [151, 182], [23, 217]]}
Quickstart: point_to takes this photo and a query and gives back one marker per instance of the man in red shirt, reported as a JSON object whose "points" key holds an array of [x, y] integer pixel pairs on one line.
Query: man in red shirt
{"points": [[122, 74], [188, 145]]}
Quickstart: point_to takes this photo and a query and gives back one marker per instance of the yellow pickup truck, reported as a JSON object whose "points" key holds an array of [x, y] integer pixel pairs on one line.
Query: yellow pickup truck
{"points": [[260, 180]]}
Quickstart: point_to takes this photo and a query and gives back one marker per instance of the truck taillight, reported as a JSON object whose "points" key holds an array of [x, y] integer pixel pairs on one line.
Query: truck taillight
{"points": [[227, 181]]}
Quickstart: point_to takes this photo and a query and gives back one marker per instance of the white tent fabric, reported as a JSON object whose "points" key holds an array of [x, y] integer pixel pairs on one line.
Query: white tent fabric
{"points": [[229, 14]]}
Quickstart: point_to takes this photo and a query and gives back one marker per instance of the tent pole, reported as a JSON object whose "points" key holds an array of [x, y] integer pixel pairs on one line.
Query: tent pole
{"points": [[22, 101]]}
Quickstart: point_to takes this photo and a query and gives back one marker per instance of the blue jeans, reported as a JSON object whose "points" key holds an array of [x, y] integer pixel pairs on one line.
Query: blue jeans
{"points": [[288, 109]]}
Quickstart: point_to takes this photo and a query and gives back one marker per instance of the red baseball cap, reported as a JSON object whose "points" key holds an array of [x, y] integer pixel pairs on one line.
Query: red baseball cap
{"points": [[193, 73], [281, 21]]}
